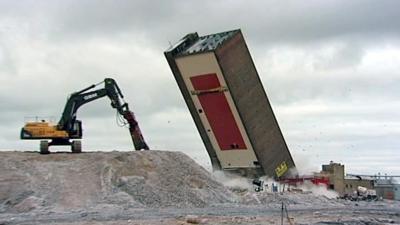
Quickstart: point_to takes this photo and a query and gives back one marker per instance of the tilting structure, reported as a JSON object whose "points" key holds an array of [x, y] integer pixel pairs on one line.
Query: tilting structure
{"points": [[228, 103]]}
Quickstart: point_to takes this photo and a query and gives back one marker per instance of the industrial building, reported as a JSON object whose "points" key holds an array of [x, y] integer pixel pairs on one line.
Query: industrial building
{"points": [[385, 186], [352, 182], [224, 94]]}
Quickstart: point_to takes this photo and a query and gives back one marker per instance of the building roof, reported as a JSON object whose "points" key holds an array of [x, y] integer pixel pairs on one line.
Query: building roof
{"points": [[193, 44], [209, 42]]}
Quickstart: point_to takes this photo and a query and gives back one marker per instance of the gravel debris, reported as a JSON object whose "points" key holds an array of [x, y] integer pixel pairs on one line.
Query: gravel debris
{"points": [[64, 181], [156, 187]]}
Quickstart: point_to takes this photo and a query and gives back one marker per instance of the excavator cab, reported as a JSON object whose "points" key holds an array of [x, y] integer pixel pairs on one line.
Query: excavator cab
{"points": [[76, 131]]}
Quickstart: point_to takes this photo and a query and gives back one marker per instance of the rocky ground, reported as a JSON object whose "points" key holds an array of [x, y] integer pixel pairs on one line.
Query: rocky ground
{"points": [[156, 187]]}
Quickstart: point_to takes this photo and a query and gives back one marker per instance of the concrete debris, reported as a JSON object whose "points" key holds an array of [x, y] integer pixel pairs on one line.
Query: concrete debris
{"points": [[63, 181], [156, 187]]}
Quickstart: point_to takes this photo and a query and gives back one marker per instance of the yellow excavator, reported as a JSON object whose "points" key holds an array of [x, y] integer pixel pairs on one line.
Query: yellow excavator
{"points": [[69, 127]]}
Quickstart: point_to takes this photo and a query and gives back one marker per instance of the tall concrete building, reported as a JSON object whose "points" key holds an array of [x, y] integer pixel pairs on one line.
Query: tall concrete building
{"points": [[229, 105], [335, 173]]}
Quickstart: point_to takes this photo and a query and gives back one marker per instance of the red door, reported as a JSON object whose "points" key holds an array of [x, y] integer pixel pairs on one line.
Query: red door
{"points": [[219, 115]]}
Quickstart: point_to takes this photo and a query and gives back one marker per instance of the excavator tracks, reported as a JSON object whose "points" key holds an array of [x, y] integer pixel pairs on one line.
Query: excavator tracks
{"points": [[76, 147]]}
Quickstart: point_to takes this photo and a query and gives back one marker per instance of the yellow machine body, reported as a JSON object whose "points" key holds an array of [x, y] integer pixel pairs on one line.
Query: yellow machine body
{"points": [[42, 130]]}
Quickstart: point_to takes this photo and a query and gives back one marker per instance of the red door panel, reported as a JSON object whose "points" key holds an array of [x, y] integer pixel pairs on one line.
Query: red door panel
{"points": [[218, 113]]}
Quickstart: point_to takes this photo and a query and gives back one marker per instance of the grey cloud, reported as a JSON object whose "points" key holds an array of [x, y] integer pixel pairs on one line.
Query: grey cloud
{"points": [[163, 21], [306, 53], [342, 55], [277, 22], [350, 88]]}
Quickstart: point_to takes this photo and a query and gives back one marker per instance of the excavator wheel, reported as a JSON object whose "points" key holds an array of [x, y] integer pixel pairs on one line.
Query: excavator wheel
{"points": [[44, 147], [76, 147]]}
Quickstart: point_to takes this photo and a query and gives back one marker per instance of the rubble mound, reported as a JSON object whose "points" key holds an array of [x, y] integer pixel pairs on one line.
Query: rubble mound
{"points": [[142, 179]]}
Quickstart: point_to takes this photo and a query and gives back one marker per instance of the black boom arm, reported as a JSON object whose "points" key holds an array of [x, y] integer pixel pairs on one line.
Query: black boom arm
{"points": [[113, 92]]}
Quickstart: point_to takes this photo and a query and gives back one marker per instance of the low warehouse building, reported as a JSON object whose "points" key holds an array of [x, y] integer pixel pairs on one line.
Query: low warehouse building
{"points": [[385, 186]]}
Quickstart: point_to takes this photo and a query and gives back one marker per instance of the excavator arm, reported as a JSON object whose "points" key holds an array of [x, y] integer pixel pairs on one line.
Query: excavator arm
{"points": [[72, 127]]}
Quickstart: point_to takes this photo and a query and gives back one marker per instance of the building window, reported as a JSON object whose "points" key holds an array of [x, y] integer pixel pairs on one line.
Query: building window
{"points": [[351, 186]]}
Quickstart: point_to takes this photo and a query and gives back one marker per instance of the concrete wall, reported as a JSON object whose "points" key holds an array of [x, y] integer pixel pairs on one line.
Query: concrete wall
{"points": [[352, 184], [192, 66], [253, 106], [170, 55], [335, 172], [397, 192], [386, 192]]}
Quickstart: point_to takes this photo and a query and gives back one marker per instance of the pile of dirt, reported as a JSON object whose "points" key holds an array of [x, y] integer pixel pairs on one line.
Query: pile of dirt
{"points": [[141, 179], [156, 187]]}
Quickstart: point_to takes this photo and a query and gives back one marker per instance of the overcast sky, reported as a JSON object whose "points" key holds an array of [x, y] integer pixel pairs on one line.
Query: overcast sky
{"points": [[330, 69]]}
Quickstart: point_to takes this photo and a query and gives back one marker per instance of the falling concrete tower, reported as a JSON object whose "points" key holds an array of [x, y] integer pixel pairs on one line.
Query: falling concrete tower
{"points": [[228, 103]]}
